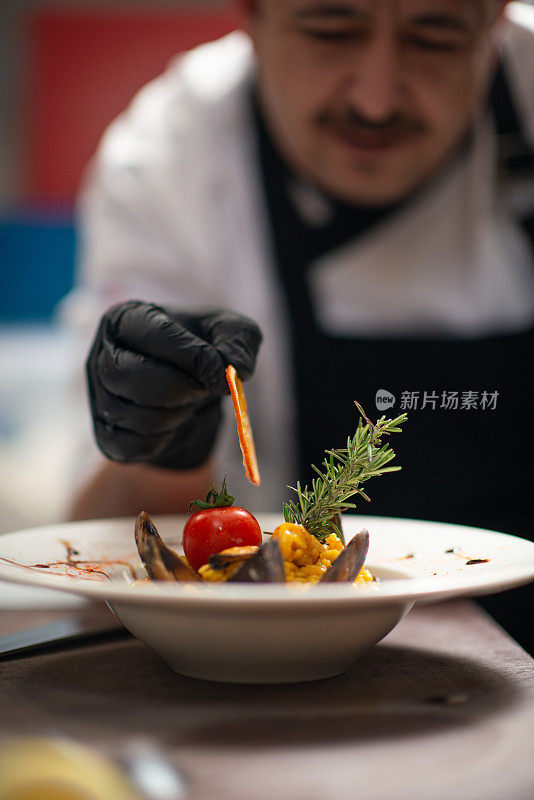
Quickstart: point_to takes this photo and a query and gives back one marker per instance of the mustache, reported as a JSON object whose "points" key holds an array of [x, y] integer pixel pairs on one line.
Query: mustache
{"points": [[350, 119]]}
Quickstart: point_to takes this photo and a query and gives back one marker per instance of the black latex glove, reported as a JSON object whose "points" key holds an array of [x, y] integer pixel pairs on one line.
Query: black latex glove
{"points": [[156, 377]]}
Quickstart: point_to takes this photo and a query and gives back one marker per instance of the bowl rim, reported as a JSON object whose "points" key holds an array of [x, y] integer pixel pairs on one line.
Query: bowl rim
{"points": [[244, 598]]}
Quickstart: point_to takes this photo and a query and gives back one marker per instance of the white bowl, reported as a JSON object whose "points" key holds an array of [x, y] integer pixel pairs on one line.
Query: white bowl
{"points": [[252, 633]]}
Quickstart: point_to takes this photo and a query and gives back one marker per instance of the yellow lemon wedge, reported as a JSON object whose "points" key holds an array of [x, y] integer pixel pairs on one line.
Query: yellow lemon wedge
{"points": [[58, 769]]}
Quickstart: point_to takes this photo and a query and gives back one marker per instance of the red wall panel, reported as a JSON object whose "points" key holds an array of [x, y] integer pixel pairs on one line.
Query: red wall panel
{"points": [[84, 68]]}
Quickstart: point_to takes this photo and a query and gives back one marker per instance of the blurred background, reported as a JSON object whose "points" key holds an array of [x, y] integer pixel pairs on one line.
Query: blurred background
{"points": [[67, 68]]}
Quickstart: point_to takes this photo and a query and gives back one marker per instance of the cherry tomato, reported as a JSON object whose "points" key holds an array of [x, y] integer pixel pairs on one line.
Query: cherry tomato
{"points": [[214, 529]]}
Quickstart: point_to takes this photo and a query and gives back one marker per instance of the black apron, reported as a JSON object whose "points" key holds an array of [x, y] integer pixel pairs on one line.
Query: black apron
{"points": [[467, 447]]}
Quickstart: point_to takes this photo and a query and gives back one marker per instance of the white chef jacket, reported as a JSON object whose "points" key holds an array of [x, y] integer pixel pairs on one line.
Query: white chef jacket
{"points": [[173, 213]]}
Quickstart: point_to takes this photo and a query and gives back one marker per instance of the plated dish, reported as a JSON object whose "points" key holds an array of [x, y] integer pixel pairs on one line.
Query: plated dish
{"points": [[223, 542], [272, 632], [299, 595]]}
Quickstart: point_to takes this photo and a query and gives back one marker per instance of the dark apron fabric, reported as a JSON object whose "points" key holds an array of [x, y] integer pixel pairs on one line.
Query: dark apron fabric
{"points": [[469, 465]]}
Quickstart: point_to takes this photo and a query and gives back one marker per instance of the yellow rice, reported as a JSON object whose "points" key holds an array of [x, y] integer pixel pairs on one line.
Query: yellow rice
{"points": [[305, 557]]}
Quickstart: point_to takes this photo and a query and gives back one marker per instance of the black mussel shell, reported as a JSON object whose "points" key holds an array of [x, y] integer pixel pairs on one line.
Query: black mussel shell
{"points": [[266, 566], [161, 563], [350, 561]]}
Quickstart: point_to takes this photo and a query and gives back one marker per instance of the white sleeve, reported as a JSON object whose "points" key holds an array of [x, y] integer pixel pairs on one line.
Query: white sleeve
{"points": [[131, 247], [136, 241]]}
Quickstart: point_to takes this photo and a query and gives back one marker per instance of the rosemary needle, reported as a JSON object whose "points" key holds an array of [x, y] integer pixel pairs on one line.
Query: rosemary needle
{"points": [[344, 471]]}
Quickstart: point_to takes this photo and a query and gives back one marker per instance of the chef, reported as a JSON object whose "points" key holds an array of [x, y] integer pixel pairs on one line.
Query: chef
{"points": [[353, 180]]}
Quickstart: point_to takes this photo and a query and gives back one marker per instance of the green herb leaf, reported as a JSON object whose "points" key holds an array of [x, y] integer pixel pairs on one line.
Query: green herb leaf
{"points": [[343, 471], [214, 499]]}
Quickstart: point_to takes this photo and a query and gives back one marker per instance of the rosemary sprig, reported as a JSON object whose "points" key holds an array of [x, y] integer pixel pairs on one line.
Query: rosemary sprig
{"points": [[344, 471]]}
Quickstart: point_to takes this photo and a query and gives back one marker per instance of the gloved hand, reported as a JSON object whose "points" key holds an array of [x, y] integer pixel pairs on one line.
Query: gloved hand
{"points": [[156, 377]]}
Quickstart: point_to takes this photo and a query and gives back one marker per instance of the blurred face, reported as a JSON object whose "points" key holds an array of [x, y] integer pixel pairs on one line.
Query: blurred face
{"points": [[368, 98]]}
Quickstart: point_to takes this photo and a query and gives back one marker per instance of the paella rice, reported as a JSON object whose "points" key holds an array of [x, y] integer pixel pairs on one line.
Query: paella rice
{"points": [[305, 558]]}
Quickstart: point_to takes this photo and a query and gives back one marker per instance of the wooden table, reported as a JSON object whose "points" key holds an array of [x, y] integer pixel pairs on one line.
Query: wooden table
{"points": [[443, 709]]}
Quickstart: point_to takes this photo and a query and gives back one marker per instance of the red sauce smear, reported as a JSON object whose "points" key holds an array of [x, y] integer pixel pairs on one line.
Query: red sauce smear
{"points": [[82, 566]]}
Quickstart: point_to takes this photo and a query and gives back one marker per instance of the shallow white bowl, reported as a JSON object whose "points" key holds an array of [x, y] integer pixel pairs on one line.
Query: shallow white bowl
{"points": [[268, 633]]}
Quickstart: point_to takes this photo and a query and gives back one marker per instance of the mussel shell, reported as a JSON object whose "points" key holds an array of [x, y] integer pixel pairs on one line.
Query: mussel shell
{"points": [[161, 563], [231, 556], [266, 566], [339, 525], [350, 561]]}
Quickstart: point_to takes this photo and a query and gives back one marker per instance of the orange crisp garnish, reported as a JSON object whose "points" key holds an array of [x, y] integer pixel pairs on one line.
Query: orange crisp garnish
{"points": [[244, 430]]}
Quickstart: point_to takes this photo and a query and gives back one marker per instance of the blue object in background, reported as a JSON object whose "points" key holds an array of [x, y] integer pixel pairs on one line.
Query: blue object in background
{"points": [[37, 252]]}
